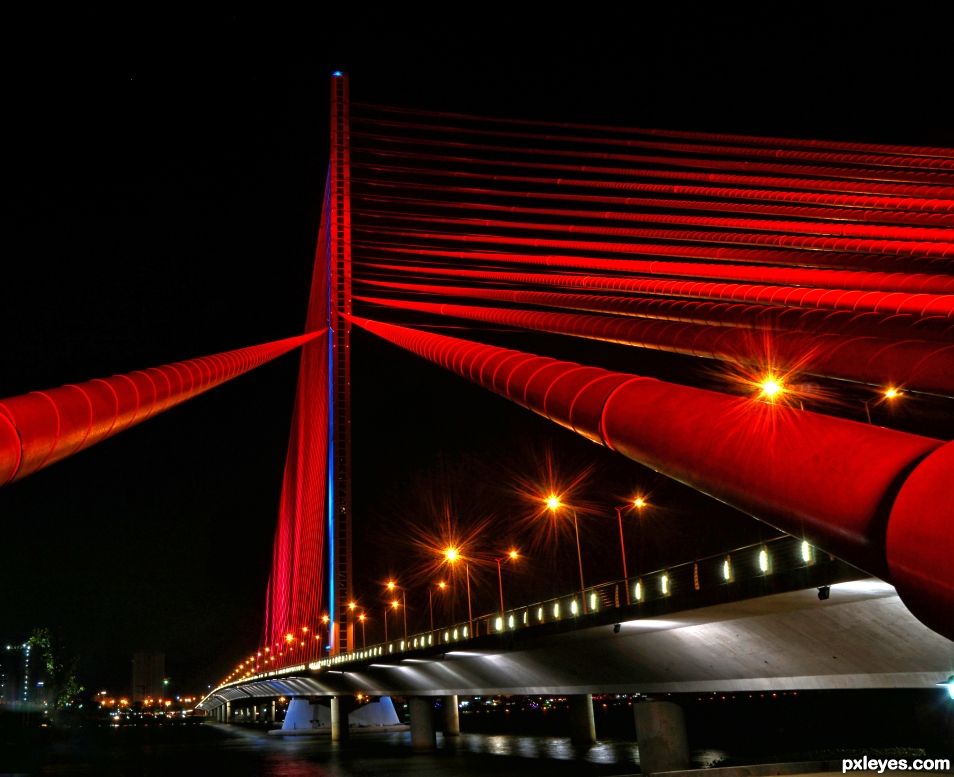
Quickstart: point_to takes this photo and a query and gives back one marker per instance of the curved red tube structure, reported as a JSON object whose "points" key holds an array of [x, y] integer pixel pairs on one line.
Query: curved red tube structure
{"points": [[873, 496], [42, 427], [917, 365]]}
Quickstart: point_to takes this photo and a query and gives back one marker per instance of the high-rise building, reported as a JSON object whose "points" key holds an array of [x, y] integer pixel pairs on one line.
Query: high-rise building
{"points": [[148, 672], [23, 676]]}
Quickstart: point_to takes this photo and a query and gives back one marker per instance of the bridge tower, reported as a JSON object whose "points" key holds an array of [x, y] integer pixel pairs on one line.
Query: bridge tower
{"points": [[339, 285]]}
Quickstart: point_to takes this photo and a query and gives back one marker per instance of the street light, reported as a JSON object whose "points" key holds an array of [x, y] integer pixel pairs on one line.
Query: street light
{"points": [[364, 642], [638, 504], [553, 504], [512, 555], [441, 586], [391, 586], [452, 555]]}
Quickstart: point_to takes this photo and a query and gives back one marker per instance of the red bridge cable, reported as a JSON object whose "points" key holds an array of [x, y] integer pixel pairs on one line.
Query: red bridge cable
{"points": [[718, 314], [43, 427], [921, 305], [873, 172], [885, 248], [711, 149], [807, 183], [839, 229], [815, 278], [830, 480], [822, 213], [917, 365], [897, 202], [716, 137]]}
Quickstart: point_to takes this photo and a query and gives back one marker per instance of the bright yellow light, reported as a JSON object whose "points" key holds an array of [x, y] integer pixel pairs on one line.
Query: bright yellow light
{"points": [[770, 387], [289, 638], [442, 585], [362, 617], [304, 629], [514, 555], [324, 619], [639, 503], [451, 554], [352, 605], [892, 393], [395, 604], [391, 585], [553, 502]]}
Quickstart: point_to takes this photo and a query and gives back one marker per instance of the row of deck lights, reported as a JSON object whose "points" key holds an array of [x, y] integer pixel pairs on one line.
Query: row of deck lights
{"points": [[453, 555], [504, 622]]}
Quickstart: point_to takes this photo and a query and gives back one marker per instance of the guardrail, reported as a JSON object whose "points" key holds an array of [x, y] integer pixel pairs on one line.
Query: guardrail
{"points": [[694, 583]]}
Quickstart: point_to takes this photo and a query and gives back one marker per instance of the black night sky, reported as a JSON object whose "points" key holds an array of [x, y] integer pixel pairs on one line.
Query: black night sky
{"points": [[167, 173]]}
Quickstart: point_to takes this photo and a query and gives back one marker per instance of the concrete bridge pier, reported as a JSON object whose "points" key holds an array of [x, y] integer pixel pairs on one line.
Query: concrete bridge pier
{"points": [[228, 712], [271, 712], [451, 716], [661, 734], [582, 722], [423, 735], [339, 719]]}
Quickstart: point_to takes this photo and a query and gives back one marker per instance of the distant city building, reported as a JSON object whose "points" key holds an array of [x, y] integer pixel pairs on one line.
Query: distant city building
{"points": [[148, 672], [23, 677]]}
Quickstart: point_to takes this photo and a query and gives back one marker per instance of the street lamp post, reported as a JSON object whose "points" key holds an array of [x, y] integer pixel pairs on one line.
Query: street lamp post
{"points": [[512, 555], [364, 642], [553, 504], [638, 504], [452, 555], [391, 586]]}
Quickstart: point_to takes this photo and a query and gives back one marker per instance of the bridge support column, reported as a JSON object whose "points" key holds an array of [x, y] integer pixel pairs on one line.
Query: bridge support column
{"points": [[661, 734], [582, 722], [451, 716], [271, 711], [423, 736], [339, 719], [228, 712]]}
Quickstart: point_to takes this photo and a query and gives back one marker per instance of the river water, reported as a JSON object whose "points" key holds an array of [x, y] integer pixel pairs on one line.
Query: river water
{"points": [[237, 752]]}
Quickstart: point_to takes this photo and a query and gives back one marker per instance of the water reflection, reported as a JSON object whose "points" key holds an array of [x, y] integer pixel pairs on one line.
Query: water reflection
{"points": [[238, 752]]}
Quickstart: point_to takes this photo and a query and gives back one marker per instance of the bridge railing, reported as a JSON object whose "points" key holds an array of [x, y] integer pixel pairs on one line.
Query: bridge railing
{"points": [[777, 563], [680, 584]]}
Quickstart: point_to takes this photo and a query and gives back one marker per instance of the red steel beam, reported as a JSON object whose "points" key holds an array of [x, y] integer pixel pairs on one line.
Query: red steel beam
{"points": [[42, 427], [876, 497]]}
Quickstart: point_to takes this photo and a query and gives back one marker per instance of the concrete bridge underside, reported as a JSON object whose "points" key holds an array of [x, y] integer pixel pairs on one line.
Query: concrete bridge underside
{"points": [[861, 637]]}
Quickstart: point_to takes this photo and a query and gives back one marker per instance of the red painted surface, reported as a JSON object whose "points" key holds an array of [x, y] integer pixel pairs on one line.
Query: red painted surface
{"points": [[824, 478], [920, 366], [43, 427]]}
